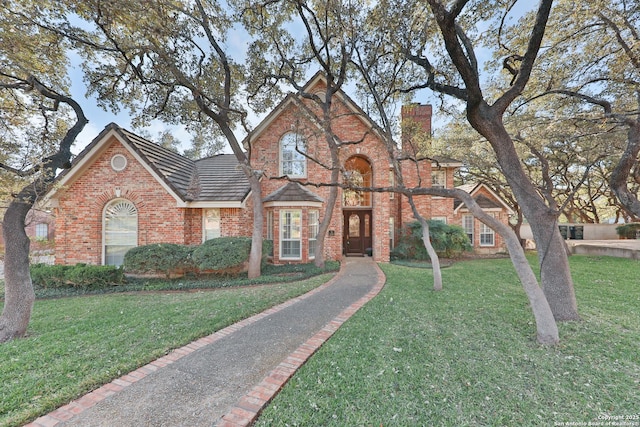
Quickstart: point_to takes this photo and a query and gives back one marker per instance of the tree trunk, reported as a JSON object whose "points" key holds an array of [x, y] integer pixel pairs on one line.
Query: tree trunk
{"points": [[620, 174], [255, 255], [335, 178], [326, 220], [546, 326], [555, 274], [18, 289], [435, 260]]}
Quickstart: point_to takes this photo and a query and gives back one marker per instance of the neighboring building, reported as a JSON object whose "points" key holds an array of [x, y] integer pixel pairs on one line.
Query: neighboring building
{"points": [[40, 227], [483, 238], [123, 191]]}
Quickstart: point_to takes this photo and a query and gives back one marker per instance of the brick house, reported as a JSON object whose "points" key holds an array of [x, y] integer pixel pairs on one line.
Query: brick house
{"points": [[123, 191], [40, 227], [483, 238]]}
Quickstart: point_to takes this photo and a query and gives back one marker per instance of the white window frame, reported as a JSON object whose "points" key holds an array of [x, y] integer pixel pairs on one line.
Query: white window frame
{"points": [[209, 228], [468, 223], [392, 183], [392, 232], [125, 233], [291, 232], [118, 162], [290, 146], [314, 226], [42, 231], [487, 235], [438, 179], [269, 225], [442, 219]]}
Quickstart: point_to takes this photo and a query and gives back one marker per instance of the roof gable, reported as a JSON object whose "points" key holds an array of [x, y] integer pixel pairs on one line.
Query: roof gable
{"points": [[314, 84], [213, 179], [493, 202], [176, 171], [293, 192]]}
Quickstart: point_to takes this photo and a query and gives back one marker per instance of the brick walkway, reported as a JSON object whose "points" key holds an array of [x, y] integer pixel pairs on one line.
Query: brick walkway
{"points": [[180, 388]]}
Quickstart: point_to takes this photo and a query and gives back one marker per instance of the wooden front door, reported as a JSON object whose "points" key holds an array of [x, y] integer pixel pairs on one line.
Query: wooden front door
{"points": [[357, 232]]}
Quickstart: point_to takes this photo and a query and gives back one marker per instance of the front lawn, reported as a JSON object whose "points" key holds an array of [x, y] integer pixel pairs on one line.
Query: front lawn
{"points": [[76, 344], [467, 356]]}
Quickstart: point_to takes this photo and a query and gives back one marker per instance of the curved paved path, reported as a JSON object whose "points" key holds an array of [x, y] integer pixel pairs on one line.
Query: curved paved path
{"points": [[226, 378]]}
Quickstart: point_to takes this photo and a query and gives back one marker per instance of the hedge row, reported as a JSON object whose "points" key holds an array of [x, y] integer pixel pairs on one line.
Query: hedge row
{"points": [[629, 231], [76, 276], [224, 255]]}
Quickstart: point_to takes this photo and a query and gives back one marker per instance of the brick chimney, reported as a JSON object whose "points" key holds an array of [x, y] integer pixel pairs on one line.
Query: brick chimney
{"points": [[414, 118]]}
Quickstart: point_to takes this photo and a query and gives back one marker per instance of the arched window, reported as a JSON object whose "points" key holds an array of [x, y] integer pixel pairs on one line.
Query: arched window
{"points": [[120, 225], [357, 174], [292, 162]]}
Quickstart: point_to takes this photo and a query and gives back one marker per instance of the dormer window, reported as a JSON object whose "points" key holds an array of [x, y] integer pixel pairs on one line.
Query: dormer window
{"points": [[293, 162]]}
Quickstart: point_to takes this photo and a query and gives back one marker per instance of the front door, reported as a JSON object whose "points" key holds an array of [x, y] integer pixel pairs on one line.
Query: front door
{"points": [[357, 232]]}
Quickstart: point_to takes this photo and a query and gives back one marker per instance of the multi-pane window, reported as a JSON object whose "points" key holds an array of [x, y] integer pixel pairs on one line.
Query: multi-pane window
{"points": [[438, 179], [487, 235], [442, 219], [357, 174], [467, 224], [211, 224], [314, 226], [293, 162], [42, 231], [290, 234], [120, 230]]}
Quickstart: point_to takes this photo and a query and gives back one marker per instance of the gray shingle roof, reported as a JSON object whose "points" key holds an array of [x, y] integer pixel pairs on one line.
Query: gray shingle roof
{"points": [[293, 192], [220, 179], [176, 170], [213, 179]]}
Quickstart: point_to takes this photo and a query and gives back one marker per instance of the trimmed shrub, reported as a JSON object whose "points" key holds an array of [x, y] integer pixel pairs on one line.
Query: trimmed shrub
{"points": [[159, 258], [267, 250], [449, 241], [76, 276], [222, 254]]}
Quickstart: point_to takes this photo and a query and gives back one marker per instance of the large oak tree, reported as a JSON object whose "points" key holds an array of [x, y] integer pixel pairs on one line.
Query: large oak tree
{"points": [[38, 125], [443, 39]]}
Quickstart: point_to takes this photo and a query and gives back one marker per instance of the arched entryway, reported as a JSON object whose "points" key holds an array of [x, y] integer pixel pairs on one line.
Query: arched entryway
{"points": [[357, 208]]}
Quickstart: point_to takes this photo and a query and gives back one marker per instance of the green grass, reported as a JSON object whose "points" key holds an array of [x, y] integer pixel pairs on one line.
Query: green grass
{"points": [[76, 344], [467, 356]]}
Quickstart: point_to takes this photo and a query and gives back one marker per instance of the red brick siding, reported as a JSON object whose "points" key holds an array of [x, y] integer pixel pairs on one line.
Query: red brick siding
{"points": [[348, 127], [81, 205]]}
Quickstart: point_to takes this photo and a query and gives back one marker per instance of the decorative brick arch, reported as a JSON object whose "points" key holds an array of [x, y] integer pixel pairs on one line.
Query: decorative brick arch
{"points": [[106, 197]]}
